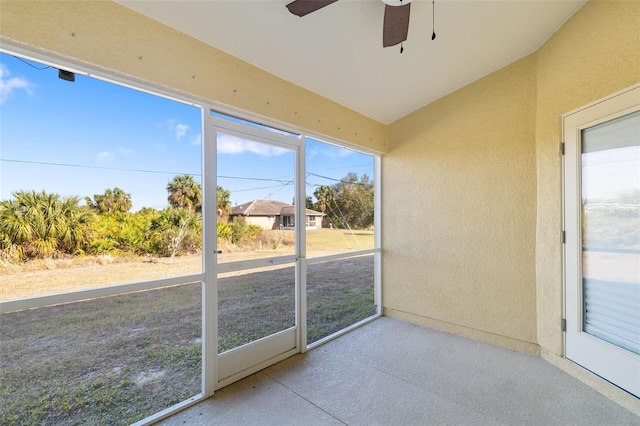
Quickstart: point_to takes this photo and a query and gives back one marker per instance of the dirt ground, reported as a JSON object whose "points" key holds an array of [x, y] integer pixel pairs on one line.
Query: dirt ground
{"points": [[57, 276], [51, 276], [62, 275]]}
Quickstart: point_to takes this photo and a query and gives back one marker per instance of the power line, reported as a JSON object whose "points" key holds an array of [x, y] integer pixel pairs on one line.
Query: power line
{"points": [[84, 166], [281, 183], [324, 177], [252, 178], [338, 180], [256, 189], [281, 188]]}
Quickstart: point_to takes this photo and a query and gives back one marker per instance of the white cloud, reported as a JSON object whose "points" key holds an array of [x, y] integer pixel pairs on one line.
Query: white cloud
{"points": [[338, 152], [177, 128], [234, 145], [103, 156], [181, 130], [9, 85]]}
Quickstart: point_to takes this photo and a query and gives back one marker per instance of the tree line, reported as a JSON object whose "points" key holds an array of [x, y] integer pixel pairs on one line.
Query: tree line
{"points": [[40, 224], [347, 204]]}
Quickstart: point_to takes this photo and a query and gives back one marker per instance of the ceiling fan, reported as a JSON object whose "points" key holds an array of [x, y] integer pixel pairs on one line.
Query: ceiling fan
{"points": [[396, 17]]}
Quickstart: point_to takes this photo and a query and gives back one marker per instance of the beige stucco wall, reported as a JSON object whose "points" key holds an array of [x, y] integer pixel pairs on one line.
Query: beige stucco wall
{"points": [[459, 211], [596, 53], [472, 187], [262, 221], [107, 36]]}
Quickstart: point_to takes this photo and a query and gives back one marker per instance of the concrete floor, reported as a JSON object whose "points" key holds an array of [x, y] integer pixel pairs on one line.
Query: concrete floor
{"points": [[393, 373]]}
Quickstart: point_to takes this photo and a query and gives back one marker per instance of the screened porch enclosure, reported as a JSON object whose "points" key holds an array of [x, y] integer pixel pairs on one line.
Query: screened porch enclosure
{"points": [[149, 318], [158, 302]]}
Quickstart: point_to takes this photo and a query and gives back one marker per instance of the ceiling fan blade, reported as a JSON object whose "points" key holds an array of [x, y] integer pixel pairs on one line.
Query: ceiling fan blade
{"points": [[304, 7], [396, 24]]}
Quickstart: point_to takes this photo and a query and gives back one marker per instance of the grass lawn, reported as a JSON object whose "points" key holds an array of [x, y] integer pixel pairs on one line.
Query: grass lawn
{"points": [[326, 241], [118, 359], [339, 293], [113, 360]]}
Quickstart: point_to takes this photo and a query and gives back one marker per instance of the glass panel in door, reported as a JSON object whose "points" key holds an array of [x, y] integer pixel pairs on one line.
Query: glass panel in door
{"points": [[611, 231]]}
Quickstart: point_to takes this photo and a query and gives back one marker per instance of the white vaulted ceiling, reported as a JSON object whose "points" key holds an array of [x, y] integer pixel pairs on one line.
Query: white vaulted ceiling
{"points": [[337, 51]]}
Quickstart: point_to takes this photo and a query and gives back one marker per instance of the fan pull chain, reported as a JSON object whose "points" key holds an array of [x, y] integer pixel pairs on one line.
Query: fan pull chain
{"points": [[401, 46], [433, 7]]}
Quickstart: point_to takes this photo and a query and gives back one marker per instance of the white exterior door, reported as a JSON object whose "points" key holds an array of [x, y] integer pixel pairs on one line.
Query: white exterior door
{"points": [[602, 249]]}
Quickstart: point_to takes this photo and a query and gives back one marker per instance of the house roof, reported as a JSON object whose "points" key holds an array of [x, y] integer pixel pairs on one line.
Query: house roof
{"points": [[267, 208]]}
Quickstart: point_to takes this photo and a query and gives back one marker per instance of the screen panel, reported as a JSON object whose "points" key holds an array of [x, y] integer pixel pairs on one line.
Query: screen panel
{"points": [[340, 293], [112, 360]]}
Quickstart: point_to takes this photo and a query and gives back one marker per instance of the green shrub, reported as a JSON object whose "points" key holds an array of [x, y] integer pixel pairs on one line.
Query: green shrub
{"points": [[243, 233], [123, 232], [176, 231], [224, 231]]}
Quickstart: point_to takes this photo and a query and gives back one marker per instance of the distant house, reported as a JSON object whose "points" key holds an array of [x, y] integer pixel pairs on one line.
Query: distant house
{"points": [[274, 215]]}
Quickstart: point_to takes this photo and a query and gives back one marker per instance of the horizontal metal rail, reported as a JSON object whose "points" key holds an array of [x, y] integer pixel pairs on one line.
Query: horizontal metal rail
{"points": [[338, 256], [93, 293], [114, 290], [241, 265]]}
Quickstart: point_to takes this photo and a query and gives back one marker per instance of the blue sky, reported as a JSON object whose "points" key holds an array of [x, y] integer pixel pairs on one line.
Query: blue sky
{"points": [[83, 137]]}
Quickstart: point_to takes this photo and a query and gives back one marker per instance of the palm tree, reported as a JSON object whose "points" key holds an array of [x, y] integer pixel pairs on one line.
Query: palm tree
{"points": [[223, 200], [185, 192], [113, 200], [43, 223], [324, 195]]}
